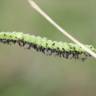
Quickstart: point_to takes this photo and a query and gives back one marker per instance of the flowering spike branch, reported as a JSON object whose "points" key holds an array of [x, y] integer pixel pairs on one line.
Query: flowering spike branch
{"points": [[49, 47]]}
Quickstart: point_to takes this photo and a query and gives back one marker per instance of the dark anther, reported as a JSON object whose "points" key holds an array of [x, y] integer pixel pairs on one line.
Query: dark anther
{"points": [[21, 43], [53, 44]]}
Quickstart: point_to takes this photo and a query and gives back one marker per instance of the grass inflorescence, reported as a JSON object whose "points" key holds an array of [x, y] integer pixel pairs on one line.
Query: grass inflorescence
{"points": [[49, 47]]}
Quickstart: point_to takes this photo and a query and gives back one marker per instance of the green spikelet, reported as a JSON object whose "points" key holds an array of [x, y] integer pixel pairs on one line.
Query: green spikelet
{"points": [[62, 49]]}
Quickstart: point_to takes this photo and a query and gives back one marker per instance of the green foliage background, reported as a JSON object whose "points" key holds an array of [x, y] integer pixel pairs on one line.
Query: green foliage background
{"points": [[28, 73]]}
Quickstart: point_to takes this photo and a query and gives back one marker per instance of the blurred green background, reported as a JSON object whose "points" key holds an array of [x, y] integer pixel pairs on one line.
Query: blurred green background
{"points": [[29, 73]]}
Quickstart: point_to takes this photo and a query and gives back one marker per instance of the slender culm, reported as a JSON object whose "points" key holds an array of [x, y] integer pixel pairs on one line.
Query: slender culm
{"points": [[49, 19]]}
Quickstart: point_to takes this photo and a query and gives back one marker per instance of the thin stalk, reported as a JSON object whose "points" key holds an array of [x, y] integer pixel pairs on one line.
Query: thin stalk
{"points": [[48, 18]]}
